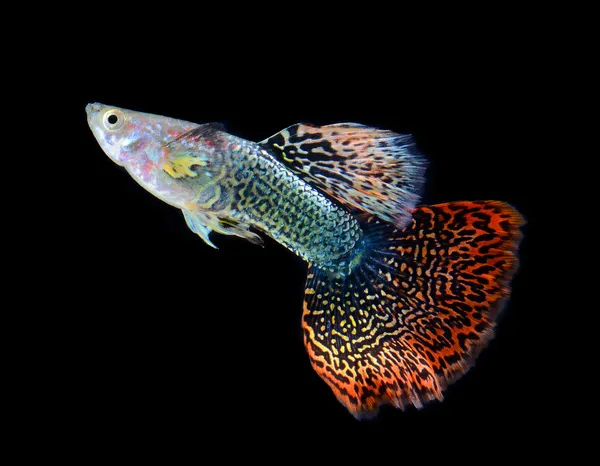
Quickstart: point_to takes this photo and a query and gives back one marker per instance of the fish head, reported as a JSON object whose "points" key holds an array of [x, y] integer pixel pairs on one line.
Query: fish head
{"points": [[129, 137], [115, 129], [165, 155]]}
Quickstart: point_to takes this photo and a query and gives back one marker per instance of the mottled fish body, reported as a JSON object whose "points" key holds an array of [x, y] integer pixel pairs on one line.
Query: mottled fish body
{"points": [[399, 299], [226, 184]]}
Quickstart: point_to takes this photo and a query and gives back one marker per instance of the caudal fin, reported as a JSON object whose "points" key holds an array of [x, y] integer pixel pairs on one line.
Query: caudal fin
{"points": [[417, 310]]}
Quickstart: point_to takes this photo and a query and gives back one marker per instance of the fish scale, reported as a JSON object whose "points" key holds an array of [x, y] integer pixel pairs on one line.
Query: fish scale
{"points": [[291, 211]]}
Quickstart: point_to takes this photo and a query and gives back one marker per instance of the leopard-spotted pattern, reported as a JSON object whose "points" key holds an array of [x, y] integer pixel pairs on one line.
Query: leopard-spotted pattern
{"points": [[421, 308], [369, 169]]}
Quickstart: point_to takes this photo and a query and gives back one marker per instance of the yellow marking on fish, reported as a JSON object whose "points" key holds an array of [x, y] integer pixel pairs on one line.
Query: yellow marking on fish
{"points": [[168, 168], [180, 166], [343, 337]]}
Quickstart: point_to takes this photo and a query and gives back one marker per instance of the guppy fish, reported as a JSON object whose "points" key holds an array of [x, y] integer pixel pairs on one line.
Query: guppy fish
{"points": [[399, 299]]}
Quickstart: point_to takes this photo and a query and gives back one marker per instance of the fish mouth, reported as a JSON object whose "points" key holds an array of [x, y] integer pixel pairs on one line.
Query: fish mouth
{"points": [[92, 109]]}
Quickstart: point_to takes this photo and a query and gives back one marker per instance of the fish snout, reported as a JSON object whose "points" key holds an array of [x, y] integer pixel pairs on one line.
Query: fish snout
{"points": [[92, 110]]}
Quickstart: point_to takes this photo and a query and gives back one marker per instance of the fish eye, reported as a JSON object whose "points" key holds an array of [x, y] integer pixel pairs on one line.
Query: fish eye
{"points": [[113, 120]]}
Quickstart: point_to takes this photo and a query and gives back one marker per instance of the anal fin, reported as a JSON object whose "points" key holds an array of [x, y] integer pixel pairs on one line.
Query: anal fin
{"points": [[203, 223]]}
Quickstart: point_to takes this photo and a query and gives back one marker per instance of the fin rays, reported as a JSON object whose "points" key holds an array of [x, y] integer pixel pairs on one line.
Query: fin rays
{"points": [[366, 169], [399, 331], [203, 224]]}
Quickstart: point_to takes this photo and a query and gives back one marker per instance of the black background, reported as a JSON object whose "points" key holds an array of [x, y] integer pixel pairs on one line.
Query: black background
{"points": [[162, 337]]}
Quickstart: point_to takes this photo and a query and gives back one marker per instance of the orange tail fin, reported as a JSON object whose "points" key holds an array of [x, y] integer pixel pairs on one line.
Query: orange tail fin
{"points": [[417, 310]]}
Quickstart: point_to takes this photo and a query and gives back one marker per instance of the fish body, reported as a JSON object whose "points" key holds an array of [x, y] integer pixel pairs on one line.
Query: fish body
{"points": [[399, 299], [227, 184]]}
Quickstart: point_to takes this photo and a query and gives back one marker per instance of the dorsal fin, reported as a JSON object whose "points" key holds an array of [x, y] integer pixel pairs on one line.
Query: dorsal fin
{"points": [[364, 168]]}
